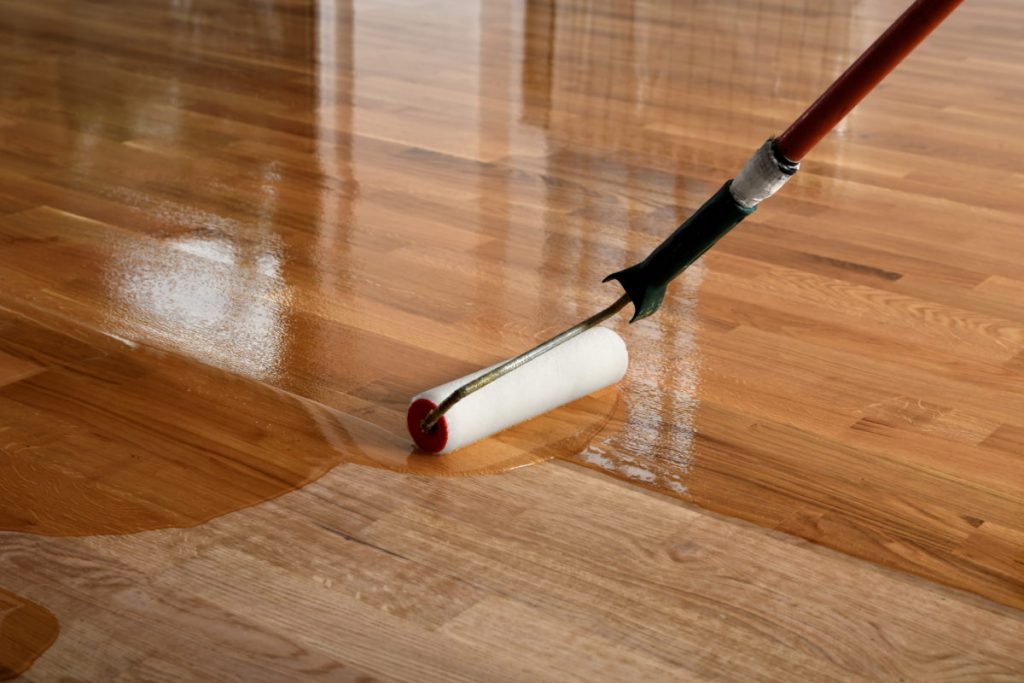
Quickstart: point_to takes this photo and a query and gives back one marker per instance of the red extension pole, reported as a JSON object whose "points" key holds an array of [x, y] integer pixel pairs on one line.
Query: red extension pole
{"points": [[863, 75]]}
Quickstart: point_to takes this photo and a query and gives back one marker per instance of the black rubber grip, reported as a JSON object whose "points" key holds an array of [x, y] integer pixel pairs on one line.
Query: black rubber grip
{"points": [[645, 282]]}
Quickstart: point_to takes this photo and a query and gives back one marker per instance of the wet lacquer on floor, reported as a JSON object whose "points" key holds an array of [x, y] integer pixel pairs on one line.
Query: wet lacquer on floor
{"points": [[100, 436], [26, 631]]}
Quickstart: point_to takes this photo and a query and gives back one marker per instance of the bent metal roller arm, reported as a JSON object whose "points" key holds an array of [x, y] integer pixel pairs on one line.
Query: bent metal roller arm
{"points": [[762, 175]]}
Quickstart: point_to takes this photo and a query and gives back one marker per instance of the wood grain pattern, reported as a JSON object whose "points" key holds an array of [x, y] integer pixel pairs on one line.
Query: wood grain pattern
{"points": [[235, 238]]}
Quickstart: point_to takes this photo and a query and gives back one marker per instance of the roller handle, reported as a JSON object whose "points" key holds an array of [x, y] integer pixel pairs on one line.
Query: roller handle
{"points": [[645, 283]]}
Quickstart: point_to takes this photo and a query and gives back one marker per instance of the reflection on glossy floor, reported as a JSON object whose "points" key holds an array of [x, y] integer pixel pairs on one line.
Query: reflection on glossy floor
{"points": [[235, 238]]}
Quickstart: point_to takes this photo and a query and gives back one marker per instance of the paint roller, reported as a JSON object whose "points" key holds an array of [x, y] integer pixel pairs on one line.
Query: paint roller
{"points": [[586, 358]]}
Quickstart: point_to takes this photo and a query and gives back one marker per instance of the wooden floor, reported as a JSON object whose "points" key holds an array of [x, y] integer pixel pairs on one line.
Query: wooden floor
{"points": [[236, 238]]}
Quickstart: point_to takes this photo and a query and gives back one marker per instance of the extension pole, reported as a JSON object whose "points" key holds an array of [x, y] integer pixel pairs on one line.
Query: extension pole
{"points": [[862, 76]]}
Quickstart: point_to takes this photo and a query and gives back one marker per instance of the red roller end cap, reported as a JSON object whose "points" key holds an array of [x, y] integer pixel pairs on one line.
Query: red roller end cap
{"points": [[434, 440]]}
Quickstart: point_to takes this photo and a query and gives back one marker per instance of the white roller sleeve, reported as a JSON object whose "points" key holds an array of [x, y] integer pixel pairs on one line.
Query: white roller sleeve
{"points": [[591, 361], [760, 178]]}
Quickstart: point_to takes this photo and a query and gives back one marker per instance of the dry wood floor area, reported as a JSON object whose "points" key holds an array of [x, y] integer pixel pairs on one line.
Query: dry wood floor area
{"points": [[236, 237]]}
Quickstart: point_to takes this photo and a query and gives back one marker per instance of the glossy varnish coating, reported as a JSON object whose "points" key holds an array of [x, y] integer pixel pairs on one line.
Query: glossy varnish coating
{"points": [[26, 630], [235, 239], [191, 442]]}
